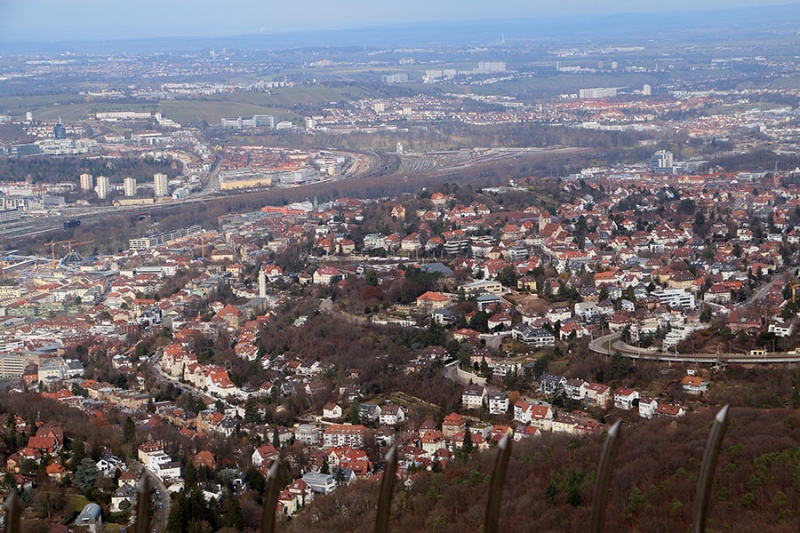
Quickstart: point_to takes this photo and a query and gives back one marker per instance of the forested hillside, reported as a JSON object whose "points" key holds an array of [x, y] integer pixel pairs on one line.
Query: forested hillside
{"points": [[54, 169], [551, 479]]}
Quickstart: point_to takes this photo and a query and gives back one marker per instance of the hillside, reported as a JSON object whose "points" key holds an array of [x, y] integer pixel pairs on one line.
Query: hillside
{"points": [[550, 484]]}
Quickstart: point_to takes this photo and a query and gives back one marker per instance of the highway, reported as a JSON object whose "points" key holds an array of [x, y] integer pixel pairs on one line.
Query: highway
{"points": [[609, 344]]}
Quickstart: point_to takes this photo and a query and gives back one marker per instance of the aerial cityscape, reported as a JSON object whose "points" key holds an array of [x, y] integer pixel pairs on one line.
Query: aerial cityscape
{"points": [[455, 263]]}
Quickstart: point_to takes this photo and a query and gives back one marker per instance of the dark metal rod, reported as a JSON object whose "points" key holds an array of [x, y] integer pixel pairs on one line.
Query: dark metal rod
{"points": [[143, 503], [14, 510], [604, 471], [492, 521], [387, 491], [270, 499], [707, 472]]}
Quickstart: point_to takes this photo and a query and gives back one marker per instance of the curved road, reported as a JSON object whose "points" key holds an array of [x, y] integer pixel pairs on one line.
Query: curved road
{"points": [[609, 344]]}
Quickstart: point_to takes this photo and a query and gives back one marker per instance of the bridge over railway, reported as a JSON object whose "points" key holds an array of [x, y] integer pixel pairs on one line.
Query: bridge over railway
{"points": [[609, 344]]}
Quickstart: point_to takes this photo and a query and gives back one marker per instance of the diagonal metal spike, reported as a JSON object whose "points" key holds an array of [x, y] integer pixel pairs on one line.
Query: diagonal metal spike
{"points": [[143, 490], [387, 491], [604, 472], [492, 520], [14, 510], [270, 499], [707, 472]]}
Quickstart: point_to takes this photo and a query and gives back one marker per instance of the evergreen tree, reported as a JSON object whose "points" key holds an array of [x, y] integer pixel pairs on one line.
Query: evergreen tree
{"points": [[354, 414], [129, 431], [190, 474], [97, 454], [574, 496], [252, 415], [233, 514], [618, 366], [78, 454], [552, 490], [255, 480], [86, 474], [276, 441], [467, 441]]}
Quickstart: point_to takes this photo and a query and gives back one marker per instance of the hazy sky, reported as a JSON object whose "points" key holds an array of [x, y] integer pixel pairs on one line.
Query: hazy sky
{"points": [[57, 20]]}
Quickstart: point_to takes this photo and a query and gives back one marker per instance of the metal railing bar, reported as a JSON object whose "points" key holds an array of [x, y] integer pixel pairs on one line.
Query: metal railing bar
{"points": [[492, 519], [387, 491], [143, 503], [707, 472], [271, 499], [604, 471], [14, 510]]}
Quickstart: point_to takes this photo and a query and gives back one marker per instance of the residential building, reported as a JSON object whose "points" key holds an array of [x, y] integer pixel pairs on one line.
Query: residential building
{"points": [[345, 435], [624, 398], [473, 397], [320, 483], [498, 402], [391, 415], [453, 424], [694, 384], [103, 188], [129, 185], [160, 187], [87, 182], [550, 383]]}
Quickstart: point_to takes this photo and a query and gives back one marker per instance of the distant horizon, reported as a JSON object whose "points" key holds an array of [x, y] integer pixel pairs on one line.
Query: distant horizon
{"points": [[47, 21]]}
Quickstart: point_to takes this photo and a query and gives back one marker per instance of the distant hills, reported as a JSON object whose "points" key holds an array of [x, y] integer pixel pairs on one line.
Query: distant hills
{"points": [[619, 28]]}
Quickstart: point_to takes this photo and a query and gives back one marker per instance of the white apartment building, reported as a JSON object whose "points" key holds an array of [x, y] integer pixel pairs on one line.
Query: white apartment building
{"points": [[87, 182], [130, 187], [160, 185], [103, 187], [675, 298]]}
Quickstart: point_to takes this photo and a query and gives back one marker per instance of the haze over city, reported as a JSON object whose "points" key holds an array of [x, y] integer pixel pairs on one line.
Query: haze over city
{"points": [[77, 20]]}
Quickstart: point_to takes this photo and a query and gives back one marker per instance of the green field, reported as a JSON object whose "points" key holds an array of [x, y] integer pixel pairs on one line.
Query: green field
{"points": [[193, 112], [278, 102], [303, 94], [69, 107]]}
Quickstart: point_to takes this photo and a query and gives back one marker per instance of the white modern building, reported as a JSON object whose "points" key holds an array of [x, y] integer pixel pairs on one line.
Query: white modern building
{"points": [[160, 185], [676, 298], [87, 182], [130, 187], [103, 187]]}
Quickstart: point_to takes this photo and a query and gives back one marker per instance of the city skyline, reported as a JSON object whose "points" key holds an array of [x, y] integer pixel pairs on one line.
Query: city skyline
{"points": [[87, 20]]}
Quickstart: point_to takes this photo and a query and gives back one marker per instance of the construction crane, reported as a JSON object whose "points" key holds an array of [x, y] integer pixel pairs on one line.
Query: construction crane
{"points": [[53, 252], [70, 243], [203, 242]]}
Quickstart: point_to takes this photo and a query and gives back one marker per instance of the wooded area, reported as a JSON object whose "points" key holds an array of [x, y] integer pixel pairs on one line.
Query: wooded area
{"points": [[550, 482]]}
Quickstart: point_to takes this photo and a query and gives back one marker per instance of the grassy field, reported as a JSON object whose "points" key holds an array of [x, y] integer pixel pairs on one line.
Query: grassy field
{"points": [[193, 112], [76, 502], [286, 97], [278, 102], [68, 107]]}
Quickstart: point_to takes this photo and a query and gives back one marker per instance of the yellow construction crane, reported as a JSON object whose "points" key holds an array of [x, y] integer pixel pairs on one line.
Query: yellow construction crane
{"points": [[203, 242], [53, 251], [70, 243]]}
